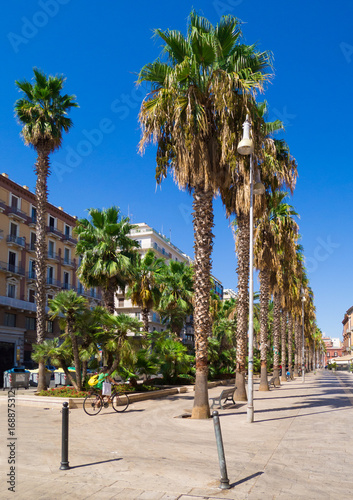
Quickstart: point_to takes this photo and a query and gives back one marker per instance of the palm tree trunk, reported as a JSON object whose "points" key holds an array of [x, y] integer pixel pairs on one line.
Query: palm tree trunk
{"points": [[203, 243], [145, 319], [283, 345], [108, 298], [243, 239], [276, 335], [264, 298], [75, 352], [296, 346], [290, 344], [42, 171]]}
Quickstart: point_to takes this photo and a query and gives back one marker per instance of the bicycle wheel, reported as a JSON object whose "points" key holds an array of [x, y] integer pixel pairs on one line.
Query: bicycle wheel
{"points": [[120, 402], [92, 404]]}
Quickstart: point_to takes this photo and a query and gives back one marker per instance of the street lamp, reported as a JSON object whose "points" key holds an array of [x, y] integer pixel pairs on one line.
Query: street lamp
{"points": [[303, 361], [246, 147]]}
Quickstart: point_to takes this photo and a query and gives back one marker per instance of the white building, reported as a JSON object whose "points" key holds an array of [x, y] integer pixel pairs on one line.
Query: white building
{"points": [[149, 238]]}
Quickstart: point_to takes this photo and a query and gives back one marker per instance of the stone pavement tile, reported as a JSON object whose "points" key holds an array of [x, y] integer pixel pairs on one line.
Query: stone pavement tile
{"points": [[152, 495], [106, 493], [129, 494], [170, 496], [216, 493]]}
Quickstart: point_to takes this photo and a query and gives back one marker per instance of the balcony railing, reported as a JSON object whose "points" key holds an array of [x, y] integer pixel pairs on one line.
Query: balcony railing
{"points": [[68, 239], [18, 213], [54, 232], [31, 275], [11, 268], [17, 240], [68, 262], [53, 282], [53, 256], [67, 286]]}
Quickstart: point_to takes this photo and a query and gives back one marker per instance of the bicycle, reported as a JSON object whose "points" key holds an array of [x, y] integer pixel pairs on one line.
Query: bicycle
{"points": [[94, 401]]}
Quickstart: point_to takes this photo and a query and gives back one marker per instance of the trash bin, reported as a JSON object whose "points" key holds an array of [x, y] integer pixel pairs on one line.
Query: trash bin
{"points": [[57, 377], [16, 377], [65, 380], [33, 377]]}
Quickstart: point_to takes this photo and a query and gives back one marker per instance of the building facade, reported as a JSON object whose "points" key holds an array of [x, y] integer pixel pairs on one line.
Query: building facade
{"points": [[334, 348], [17, 269], [348, 331], [148, 238]]}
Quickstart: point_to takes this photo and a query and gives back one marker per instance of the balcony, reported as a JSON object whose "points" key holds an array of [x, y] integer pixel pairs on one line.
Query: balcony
{"points": [[12, 269], [54, 233], [23, 305], [17, 214], [69, 240], [2, 206], [161, 250], [67, 286], [31, 247], [31, 275], [51, 282], [32, 222], [68, 262], [15, 241], [53, 256]]}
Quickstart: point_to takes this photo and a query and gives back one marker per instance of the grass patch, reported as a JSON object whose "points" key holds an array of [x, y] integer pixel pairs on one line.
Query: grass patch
{"points": [[70, 392]]}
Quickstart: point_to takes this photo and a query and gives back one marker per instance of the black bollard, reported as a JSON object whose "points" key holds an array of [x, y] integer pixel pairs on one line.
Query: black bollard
{"points": [[224, 485], [65, 437]]}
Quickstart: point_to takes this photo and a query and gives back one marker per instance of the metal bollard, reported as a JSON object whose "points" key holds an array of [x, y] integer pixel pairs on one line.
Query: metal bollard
{"points": [[224, 485], [65, 438]]}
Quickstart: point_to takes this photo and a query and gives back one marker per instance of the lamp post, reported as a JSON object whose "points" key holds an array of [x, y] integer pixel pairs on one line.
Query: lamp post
{"points": [[246, 147], [303, 351]]}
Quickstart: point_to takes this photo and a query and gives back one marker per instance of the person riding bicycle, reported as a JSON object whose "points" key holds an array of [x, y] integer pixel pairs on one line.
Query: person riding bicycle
{"points": [[103, 377]]}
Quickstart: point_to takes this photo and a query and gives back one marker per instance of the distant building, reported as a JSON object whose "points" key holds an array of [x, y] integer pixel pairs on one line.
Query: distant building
{"points": [[348, 331], [17, 269], [150, 238], [228, 293], [334, 348]]}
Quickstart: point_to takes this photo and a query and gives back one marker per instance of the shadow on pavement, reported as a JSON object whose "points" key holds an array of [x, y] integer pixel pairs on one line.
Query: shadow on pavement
{"points": [[241, 481], [96, 463]]}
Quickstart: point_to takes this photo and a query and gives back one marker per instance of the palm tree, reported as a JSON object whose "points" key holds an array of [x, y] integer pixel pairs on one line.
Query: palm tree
{"points": [[176, 293], [43, 113], [270, 238], [106, 251], [113, 336], [194, 113], [143, 289], [69, 306]]}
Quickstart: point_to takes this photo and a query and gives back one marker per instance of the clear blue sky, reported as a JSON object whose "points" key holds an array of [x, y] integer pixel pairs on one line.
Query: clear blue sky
{"points": [[100, 46]]}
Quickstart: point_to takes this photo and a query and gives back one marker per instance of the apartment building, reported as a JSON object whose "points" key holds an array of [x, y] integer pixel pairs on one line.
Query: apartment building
{"points": [[17, 269], [150, 238]]}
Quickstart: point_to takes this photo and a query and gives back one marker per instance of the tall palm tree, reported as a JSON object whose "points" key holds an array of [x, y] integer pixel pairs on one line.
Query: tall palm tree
{"points": [[69, 306], [272, 232], [144, 290], [176, 293], [42, 111], [106, 251], [194, 112]]}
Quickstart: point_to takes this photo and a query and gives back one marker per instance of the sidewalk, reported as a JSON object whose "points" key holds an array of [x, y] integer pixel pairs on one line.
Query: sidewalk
{"points": [[299, 447]]}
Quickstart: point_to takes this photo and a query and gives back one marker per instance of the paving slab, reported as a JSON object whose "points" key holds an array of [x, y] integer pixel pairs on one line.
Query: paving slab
{"points": [[299, 446]]}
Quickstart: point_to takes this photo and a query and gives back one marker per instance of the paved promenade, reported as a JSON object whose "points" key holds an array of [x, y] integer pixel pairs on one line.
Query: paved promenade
{"points": [[299, 447]]}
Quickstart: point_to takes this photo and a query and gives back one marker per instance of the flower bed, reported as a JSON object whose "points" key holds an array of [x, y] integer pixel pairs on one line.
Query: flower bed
{"points": [[70, 392]]}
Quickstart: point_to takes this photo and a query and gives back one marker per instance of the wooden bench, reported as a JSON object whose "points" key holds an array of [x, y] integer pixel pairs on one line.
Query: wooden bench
{"points": [[226, 394]]}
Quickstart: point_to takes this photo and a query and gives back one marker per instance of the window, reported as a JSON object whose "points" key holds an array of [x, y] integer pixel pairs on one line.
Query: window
{"points": [[14, 202], [79, 287], [51, 249], [34, 214], [32, 269], [31, 323], [328, 354], [67, 230], [12, 261], [10, 319], [13, 230], [121, 302], [50, 326], [11, 290], [67, 256], [31, 295], [50, 275], [33, 241], [335, 354], [51, 222], [66, 280]]}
